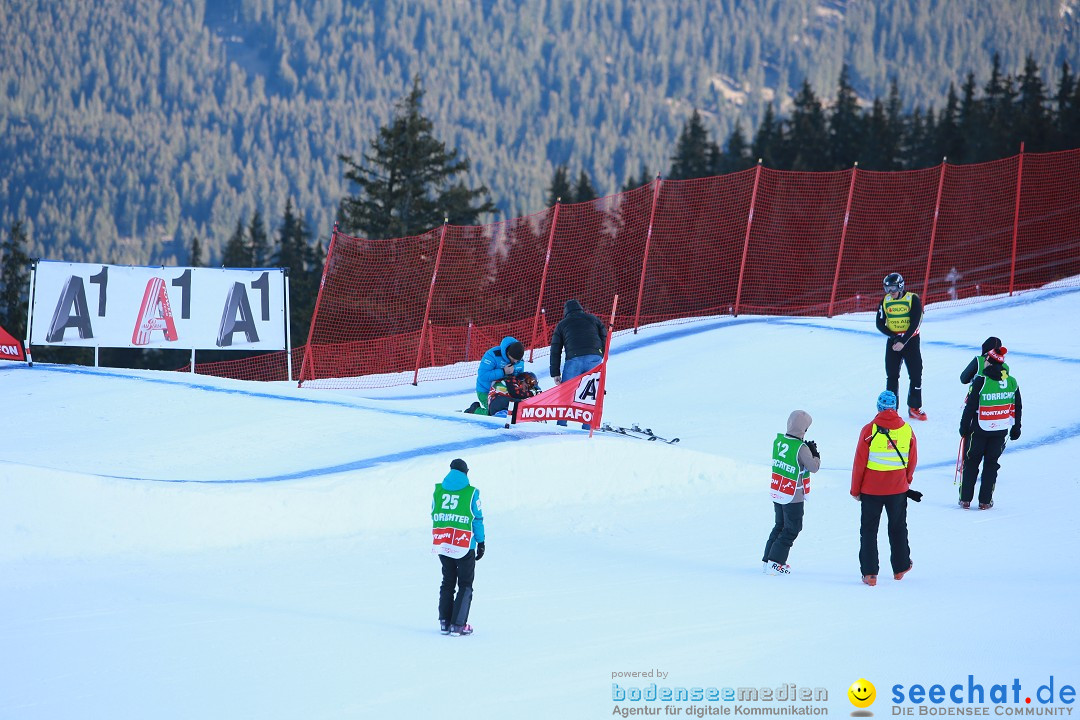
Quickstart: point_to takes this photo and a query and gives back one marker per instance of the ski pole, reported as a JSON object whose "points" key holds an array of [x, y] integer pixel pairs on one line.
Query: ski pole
{"points": [[959, 458]]}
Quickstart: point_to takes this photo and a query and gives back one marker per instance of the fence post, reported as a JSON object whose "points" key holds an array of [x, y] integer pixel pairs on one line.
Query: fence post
{"points": [[427, 308], [306, 365], [843, 238], [933, 235], [746, 240], [543, 278], [1016, 221], [645, 257]]}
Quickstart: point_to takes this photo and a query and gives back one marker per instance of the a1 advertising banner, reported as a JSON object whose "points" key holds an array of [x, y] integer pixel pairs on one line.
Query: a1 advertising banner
{"points": [[89, 305], [579, 399]]}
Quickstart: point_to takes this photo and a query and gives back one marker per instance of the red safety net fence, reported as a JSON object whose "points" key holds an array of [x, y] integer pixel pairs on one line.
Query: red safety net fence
{"points": [[760, 241]]}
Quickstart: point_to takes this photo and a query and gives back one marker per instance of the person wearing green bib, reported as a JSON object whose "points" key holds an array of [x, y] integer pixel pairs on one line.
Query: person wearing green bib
{"points": [[977, 366], [992, 412], [457, 531], [899, 318], [793, 459]]}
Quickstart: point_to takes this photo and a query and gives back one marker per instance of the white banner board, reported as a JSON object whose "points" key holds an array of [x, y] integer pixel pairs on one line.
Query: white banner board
{"points": [[91, 305]]}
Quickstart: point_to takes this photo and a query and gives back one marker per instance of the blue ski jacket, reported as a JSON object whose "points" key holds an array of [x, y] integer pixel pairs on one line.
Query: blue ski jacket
{"points": [[491, 365]]}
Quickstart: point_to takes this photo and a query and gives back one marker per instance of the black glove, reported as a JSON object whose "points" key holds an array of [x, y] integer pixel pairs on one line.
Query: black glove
{"points": [[813, 448], [914, 495], [479, 550], [1014, 432]]}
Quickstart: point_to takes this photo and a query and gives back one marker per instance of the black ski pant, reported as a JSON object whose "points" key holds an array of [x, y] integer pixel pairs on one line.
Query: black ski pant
{"points": [[786, 528], [459, 572], [985, 448], [895, 507], [911, 356]]}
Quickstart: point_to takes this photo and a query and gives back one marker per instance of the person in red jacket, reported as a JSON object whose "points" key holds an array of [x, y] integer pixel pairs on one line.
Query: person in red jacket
{"points": [[885, 459]]}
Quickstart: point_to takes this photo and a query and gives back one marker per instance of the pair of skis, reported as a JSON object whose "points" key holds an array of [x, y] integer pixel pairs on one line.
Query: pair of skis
{"points": [[635, 431]]}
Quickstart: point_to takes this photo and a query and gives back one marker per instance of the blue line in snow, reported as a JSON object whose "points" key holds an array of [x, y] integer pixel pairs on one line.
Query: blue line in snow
{"points": [[361, 464]]}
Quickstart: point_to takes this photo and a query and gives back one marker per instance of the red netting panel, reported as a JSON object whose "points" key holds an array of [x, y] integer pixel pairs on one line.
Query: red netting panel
{"points": [[371, 306], [269, 367], [597, 254], [794, 239], [1048, 242], [697, 241], [889, 226], [487, 284], [973, 247]]}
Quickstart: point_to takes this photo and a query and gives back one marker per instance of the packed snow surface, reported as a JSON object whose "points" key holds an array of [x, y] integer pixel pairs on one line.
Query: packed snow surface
{"points": [[180, 546]]}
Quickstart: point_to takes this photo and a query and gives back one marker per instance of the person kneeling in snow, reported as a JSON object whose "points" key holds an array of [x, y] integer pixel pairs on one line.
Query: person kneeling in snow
{"points": [[793, 460], [500, 362]]}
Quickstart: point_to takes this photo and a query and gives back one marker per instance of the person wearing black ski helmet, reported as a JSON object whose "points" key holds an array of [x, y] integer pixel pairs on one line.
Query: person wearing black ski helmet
{"points": [[899, 318]]}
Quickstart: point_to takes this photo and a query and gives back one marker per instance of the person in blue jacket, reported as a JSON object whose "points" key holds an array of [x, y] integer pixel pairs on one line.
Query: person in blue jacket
{"points": [[458, 539], [502, 361]]}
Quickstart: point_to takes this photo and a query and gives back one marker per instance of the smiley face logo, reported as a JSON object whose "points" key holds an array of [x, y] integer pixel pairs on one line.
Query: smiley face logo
{"points": [[862, 693]]}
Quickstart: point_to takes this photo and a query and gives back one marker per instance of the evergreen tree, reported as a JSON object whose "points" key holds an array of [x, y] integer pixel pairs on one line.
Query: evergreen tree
{"points": [[949, 141], [768, 139], [972, 123], [998, 100], [845, 125], [195, 253], [808, 140], [583, 189], [894, 115], [14, 280], [258, 241], [694, 152], [1033, 125], [1067, 110], [736, 155], [642, 179], [289, 252], [406, 187], [560, 189], [237, 253], [293, 251]]}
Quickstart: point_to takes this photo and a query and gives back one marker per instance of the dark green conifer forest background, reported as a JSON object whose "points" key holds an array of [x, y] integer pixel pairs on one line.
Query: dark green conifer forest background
{"points": [[238, 132], [129, 128]]}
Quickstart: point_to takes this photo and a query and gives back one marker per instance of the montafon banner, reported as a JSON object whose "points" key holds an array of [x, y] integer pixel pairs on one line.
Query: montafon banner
{"points": [[90, 305]]}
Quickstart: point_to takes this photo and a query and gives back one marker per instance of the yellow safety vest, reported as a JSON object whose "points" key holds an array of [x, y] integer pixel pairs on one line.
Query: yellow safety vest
{"points": [[886, 455], [897, 312]]}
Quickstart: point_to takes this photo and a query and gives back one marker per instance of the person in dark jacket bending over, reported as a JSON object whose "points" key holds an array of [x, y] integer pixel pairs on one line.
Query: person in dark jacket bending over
{"points": [[582, 336], [992, 411]]}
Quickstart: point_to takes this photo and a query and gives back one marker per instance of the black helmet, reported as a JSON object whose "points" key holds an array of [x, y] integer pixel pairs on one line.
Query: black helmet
{"points": [[894, 282]]}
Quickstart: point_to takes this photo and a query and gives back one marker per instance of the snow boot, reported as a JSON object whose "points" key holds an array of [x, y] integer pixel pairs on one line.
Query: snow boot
{"points": [[916, 414], [900, 575], [473, 408], [986, 506], [776, 568], [964, 504], [444, 627], [459, 630], [870, 580]]}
